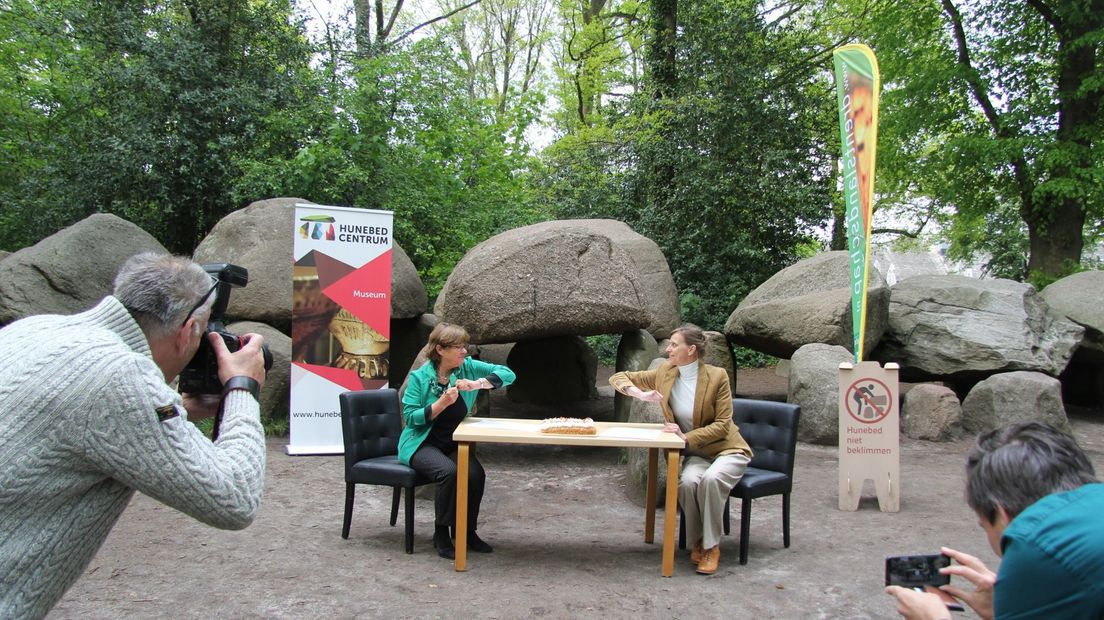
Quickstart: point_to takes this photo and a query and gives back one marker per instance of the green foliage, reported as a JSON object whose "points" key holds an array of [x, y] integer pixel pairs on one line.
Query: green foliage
{"points": [[718, 174], [1018, 184], [409, 138], [139, 109], [748, 358], [605, 347]]}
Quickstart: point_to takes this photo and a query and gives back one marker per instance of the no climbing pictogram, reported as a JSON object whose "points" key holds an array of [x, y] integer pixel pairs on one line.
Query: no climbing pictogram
{"points": [[868, 401]]}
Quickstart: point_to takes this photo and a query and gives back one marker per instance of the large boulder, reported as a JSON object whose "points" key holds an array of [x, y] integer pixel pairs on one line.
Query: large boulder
{"points": [[636, 459], [1079, 298], [408, 294], [635, 351], [408, 337], [963, 329], [814, 384], [562, 278], [1014, 397], [71, 269], [275, 395], [807, 302], [931, 412], [260, 237], [717, 353]]}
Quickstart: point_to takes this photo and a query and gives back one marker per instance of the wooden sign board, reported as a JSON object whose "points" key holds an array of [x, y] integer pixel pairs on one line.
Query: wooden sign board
{"points": [[869, 434]]}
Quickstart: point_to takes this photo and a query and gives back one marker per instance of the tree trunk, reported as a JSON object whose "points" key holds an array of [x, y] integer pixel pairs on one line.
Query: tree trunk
{"points": [[1056, 222], [362, 13], [662, 53]]}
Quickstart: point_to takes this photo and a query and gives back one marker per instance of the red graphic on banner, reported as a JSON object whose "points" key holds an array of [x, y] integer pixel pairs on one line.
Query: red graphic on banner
{"points": [[366, 293], [330, 270], [347, 379]]}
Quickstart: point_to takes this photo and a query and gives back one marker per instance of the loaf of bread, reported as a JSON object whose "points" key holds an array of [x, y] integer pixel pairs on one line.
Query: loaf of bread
{"points": [[568, 426]]}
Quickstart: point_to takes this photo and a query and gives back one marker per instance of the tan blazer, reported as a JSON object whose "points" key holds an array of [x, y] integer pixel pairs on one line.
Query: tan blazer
{"points": [[714, 433]]}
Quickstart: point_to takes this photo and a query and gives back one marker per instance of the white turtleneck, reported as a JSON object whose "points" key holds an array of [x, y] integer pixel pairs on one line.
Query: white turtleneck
{"points": [[682, 396]]}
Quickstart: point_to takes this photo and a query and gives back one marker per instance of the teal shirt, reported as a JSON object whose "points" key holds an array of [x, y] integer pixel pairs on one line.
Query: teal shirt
{"points": [[1053, 559], [419, 396]]}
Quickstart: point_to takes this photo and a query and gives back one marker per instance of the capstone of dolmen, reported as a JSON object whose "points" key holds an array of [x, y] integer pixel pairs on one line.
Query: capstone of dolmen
{"points": [[1080, 298], [1013, 397], [260, 237], [807, 302], [963, 329], [72, 269], [562, 278]]}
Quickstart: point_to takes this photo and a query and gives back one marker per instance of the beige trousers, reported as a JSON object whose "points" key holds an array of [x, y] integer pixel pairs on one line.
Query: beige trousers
{"points": [[703, 491]]}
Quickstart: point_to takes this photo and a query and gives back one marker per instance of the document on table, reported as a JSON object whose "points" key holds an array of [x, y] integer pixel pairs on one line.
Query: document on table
{"points": [[629, 432], [503, 425]]}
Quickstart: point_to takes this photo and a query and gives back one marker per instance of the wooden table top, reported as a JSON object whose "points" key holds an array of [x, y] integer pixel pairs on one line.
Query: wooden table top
{"points": [[610, 434]]}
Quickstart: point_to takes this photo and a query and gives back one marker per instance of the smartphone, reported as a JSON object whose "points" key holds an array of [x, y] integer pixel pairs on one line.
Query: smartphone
{"points": [[921, 573], [916, 571]]}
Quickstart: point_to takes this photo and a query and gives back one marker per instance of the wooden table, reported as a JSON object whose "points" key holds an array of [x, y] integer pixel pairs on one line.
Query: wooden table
{"points": [[610, 435]]}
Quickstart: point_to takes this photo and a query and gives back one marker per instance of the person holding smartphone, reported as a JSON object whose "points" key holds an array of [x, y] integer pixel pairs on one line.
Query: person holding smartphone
{"points": [[1039, 502]]}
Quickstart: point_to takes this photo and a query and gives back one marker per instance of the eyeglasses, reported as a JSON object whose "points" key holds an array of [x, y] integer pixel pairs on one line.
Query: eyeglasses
{"points": [[202, 300], [457, 346]]}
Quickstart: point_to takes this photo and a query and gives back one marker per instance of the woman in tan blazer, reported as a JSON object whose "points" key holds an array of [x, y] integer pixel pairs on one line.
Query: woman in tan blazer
{"points": [[697, 406]]}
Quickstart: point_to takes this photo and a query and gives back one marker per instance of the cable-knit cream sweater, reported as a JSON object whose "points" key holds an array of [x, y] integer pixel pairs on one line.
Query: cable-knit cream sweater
{"points": [[85, 420]]}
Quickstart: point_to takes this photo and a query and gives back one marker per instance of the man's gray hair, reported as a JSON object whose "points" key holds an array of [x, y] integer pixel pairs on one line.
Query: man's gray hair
{"points": [[1017, 465], [160, 289]]}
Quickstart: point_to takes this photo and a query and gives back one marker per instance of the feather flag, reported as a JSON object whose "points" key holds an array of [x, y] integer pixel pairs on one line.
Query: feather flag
{"points": [[857, 87]]}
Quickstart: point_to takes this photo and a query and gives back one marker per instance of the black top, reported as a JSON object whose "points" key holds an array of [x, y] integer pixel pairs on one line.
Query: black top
{"points": [[440, 435]]}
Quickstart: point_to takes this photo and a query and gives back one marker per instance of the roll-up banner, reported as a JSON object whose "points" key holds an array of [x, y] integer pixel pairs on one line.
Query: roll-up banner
{"points": [[857, 87], [340, 317]]}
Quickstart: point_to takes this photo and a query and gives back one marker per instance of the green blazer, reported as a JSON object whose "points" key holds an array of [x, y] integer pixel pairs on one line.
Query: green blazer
{"points": [[714, 433], [419, 396]]}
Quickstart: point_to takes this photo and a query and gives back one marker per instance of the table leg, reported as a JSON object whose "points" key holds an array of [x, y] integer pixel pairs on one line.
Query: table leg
{"points": [[461, 562], [650, 496], [670, 513]]}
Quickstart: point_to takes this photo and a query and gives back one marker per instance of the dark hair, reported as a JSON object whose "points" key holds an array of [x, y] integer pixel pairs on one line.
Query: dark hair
{"points": [[446, 335], [693, 335], [1017, 465]]}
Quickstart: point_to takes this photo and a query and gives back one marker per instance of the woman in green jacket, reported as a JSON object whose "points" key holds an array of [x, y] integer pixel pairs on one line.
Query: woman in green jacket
{"points": [[438, 396]]}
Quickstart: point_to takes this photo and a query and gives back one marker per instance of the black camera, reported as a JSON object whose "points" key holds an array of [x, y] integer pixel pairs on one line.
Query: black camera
{"points": [[200, 376], [916, 571]]}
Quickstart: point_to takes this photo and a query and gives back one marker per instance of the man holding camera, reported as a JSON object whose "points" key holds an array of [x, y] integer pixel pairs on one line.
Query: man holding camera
{"points": [[1039, 501], [87, 416]]}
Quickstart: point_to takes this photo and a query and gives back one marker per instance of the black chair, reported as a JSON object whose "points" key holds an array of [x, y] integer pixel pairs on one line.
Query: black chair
{"points": [[371, 422], [770, 428]]}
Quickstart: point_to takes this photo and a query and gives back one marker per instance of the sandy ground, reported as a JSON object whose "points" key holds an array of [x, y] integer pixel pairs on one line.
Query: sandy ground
{"points": [[568, 544]]}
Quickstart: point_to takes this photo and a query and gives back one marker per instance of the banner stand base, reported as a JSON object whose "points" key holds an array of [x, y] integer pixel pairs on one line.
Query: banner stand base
{"points": [[311, 450]]}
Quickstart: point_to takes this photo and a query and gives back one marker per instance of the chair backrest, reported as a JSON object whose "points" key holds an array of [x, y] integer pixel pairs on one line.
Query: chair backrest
{"points": [[770, 428], [371, 422]]}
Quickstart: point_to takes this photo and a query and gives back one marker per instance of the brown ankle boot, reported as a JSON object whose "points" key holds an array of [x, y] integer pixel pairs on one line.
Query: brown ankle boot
{"points": [[696, 552], [710, 559]]}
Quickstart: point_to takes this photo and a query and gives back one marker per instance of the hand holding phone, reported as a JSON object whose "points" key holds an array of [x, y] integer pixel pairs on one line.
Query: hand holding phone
{"points": [[921, 573]]}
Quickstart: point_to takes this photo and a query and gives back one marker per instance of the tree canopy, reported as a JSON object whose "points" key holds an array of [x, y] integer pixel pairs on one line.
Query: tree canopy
{"points": [[707, 126]]}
